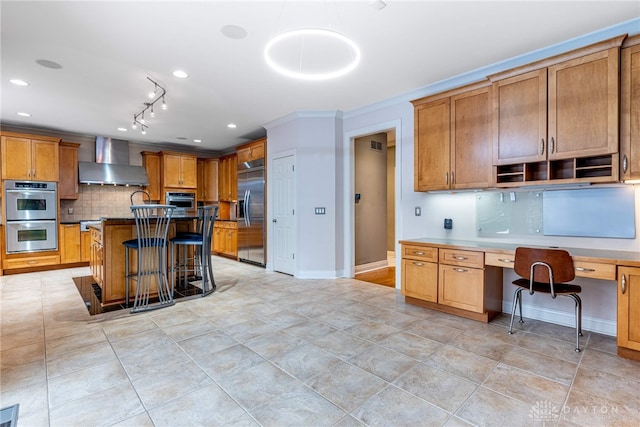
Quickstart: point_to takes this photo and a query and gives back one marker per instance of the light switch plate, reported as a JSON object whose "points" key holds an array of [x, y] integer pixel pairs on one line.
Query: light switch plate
{"points": [[418, 211]]}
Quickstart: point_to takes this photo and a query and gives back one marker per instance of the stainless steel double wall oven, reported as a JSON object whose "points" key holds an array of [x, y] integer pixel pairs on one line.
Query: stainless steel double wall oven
{"points": [[31, 214]]}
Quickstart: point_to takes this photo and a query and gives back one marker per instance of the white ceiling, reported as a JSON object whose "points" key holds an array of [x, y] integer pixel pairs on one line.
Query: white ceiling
{"points": [[108, 49]]}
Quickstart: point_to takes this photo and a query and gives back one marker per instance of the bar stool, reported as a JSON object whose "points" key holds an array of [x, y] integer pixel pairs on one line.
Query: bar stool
{"points": [[546, 270], [152, 227], [181, 266]]}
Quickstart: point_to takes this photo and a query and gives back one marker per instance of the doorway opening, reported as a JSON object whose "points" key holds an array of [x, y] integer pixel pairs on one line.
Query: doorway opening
{"points": [[374, 208]]}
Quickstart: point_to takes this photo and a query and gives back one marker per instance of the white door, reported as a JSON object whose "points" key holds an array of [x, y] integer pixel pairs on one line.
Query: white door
{"points": [[284, 203]]}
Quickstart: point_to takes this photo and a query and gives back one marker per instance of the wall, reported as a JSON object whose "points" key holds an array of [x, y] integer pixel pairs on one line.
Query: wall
{"points": [[371, 211], [391, 192], [313, 136]]}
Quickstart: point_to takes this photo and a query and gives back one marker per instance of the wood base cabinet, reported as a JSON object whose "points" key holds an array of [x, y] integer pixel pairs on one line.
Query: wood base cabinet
{"points": [[69, 243], [225, 238], [450, 280], [629, 312]]}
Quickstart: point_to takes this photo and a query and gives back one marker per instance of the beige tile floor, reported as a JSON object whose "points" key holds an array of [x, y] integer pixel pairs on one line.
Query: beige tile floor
{"points": [[268, 349]]}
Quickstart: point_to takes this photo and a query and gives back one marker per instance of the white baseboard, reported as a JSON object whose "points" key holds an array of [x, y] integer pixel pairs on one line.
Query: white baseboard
{"points": [[371, 266], [593, 324]]}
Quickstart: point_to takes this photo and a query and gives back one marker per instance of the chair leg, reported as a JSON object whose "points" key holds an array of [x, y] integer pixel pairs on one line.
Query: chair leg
{"points": [[520, 305], [516, 298], [127, 279], [578, 302]]}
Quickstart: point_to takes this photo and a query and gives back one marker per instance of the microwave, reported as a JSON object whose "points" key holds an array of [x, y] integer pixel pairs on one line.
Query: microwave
{"points": [[185, 202]]}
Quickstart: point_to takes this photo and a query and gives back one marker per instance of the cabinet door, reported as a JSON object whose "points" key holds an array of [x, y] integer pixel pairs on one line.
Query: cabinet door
{"points": [[210, 180], [630, 114], [19, 151], [189, 171], [69, 240], [420, 280], [200, 191], [151, 162], [629, 308], [471, 154], [232, 242], [432, 146], [85, 246], [171, 165], [583, 106], [68, 172], [461, 287], [520, 118], [233, 177], [45, 161]]}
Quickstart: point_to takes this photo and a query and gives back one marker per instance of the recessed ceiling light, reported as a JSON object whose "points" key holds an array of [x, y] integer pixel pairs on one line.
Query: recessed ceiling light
{"points": [[197, 140], [232, 125], [284, 54], [235, 32], [19, 82], [180, 74], [20, 113], [122, 129], [49, 64]]}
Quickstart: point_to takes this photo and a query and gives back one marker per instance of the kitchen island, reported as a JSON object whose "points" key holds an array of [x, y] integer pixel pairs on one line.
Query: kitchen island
{"points": [[107, 254]]}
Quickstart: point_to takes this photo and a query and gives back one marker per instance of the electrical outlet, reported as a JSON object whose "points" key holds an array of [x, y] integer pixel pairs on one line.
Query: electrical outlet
{"points": [[320, 211], [70, 211]]}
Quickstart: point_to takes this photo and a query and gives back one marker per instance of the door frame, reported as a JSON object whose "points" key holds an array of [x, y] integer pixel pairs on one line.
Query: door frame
{"points": [[349, 189]]}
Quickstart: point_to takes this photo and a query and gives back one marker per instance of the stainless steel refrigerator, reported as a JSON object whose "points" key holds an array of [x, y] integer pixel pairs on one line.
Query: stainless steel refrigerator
{"points": [[251, 231]]}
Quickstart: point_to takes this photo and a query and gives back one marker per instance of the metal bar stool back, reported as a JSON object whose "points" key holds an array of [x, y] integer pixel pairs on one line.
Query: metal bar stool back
{"points": [[152, 227], [200, 264]]}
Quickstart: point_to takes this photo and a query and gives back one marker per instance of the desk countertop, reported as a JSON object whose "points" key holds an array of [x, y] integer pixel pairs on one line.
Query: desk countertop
{"points": [[604, 256]]}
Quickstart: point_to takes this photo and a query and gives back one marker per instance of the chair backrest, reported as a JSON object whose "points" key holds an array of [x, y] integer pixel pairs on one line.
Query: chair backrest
{"points": [[146, 197], [152, 224], [559, 260], [206, 219]]}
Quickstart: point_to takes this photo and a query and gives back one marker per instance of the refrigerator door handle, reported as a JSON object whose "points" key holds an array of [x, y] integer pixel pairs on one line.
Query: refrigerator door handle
{"points": [[247, 214]]}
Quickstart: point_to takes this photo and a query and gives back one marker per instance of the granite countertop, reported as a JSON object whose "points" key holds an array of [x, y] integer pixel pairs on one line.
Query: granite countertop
{"points": [[605, 256]]}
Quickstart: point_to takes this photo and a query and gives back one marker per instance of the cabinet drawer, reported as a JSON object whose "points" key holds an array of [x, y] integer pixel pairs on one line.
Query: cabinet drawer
{"points": [[461, 287], [8, 264], [462, 258], [594, 270], [499, 260], [420, 253]]}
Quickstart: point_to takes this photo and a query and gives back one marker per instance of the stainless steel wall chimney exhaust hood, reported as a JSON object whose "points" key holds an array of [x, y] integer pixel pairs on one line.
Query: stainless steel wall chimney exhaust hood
{"points": [[111, 165]]}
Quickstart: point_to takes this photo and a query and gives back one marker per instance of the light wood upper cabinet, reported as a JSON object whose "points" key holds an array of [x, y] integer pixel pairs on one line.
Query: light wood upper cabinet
{"points": [[179, 170], [68, 184], [228, 178], [452, 146], [29, 157], [520, 118], [562, 107], [583, 106], [630, 110], [151, 163], [207, 180], [252, 151]]}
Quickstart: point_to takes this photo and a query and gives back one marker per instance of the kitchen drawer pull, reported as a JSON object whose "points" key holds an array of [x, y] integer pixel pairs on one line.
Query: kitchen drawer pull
{"points": [[446, 178], [506, 260], [542, 146], [553, 146], [586, 270], [625, 164], [623, 284], [461, 270], [460, 258], [418, 253], [419, 264]]}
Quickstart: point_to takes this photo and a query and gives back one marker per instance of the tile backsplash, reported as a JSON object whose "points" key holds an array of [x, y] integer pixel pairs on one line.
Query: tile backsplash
{"points": [[96, 201]]}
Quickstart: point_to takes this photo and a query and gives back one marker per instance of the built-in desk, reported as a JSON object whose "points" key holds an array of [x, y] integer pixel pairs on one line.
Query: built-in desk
{"points": [[465, 278]]}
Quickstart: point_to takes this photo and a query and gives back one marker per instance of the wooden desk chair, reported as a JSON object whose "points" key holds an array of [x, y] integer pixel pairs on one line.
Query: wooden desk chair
{"points": [[546, 271]]}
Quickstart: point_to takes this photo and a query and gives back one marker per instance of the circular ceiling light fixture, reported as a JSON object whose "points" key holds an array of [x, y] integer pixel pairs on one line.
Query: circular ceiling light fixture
{"points": [[312, 54]]}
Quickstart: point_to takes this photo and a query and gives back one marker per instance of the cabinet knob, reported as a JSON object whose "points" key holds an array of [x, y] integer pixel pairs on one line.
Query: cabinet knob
{"points": [[418, 253], [506, 260], [460, 258], [419, 264], [623, 284], [542, 146], [460, 270], [553, 145], [625, 163], [446, 178], [585, 270]]}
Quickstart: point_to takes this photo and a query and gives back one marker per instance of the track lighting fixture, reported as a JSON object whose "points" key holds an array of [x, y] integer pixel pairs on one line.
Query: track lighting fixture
{"points": [[157, 95]]}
